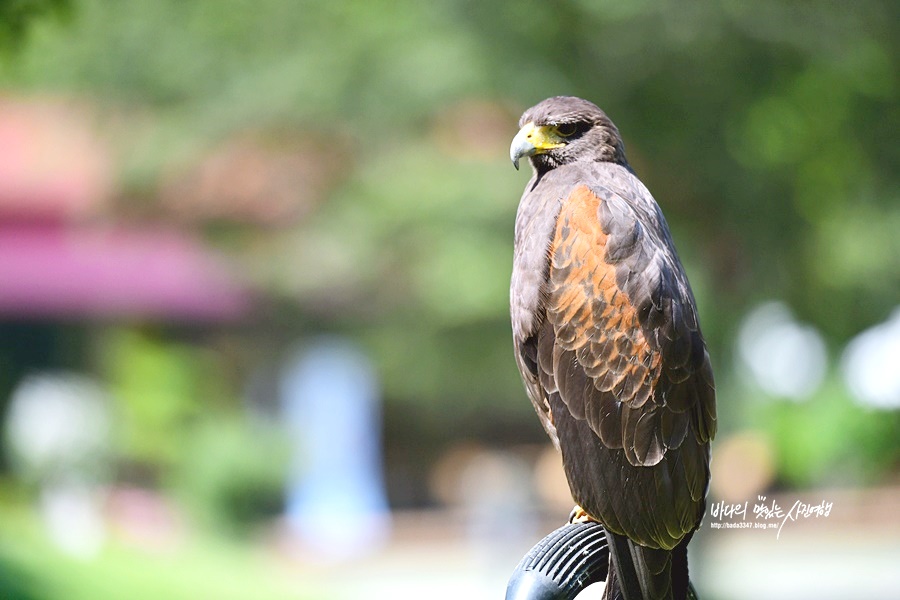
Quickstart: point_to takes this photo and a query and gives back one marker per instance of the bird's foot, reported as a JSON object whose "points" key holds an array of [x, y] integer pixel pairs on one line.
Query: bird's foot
{"points": [[578, 515]]}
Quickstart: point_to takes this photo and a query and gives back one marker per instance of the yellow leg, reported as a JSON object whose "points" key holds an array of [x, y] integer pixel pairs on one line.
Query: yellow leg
{"points": [[579, 516]]}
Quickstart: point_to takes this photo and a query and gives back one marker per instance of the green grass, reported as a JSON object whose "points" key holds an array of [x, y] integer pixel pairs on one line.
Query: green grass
{"points": [[198, 568]]}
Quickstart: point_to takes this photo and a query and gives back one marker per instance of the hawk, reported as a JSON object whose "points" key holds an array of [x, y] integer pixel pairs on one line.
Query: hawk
{"points": [[608, 343]]}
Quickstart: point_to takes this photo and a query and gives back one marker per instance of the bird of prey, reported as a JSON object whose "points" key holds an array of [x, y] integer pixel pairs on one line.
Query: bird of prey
{"points": [[608, 343]]}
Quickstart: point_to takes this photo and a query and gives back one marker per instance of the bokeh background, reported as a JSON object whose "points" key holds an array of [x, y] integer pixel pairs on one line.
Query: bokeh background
{"points": [[254, 265]]}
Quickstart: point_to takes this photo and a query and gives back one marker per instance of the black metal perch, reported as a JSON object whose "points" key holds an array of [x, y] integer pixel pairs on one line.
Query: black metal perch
{"points": [[562, 564]]}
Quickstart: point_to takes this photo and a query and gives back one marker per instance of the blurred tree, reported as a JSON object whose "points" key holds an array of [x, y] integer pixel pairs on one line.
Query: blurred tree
{"points": [[767, 132], [16, 16]]}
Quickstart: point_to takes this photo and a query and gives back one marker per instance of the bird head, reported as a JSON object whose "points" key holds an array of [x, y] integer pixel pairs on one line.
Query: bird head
{"points": [[565, 129]]}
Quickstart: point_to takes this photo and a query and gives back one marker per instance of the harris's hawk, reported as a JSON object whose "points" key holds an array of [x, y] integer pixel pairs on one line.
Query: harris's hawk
{"points": [[608, 344]]}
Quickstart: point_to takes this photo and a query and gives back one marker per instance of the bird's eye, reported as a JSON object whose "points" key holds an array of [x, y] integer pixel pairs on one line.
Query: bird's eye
{"points": [[566, 129]]}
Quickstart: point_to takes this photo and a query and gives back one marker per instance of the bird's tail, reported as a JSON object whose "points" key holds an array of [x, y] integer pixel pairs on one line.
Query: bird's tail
{"points": [[640, 573]]}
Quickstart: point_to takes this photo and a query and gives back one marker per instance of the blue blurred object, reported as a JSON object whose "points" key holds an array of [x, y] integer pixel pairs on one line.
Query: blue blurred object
{"points": [[336, 501]]}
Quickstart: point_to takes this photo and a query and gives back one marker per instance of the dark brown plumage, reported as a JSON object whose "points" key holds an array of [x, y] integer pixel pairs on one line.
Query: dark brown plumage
{"points": [[609, 346]]}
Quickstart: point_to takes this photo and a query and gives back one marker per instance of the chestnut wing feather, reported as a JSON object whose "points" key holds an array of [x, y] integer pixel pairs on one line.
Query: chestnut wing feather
{"points": [[627, 354]]}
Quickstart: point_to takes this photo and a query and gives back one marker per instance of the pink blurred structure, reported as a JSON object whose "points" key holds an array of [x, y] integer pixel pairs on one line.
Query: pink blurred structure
{"points": [[60, 257], [58, 271]]}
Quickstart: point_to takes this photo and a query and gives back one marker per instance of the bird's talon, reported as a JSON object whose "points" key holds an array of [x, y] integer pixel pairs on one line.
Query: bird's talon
{"points": [[579, 516]]}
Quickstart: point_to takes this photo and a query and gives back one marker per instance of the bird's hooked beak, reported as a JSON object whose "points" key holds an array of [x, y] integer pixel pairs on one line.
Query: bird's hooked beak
{"points": [[533, 140]]}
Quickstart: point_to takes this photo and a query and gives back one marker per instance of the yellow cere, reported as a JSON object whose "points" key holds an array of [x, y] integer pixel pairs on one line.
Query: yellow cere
{"points": [[542, 138]]}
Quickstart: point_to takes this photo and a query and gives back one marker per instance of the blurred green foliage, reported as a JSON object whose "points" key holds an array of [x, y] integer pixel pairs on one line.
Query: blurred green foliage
{"points": [[160, 387], [766, 131], [829, 440], [17, 15], [180, 427], [199, 568], [233, 474]]}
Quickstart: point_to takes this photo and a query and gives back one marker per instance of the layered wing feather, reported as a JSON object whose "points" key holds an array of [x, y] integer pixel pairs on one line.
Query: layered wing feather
{"points": [[627, 355], [615, 364]]}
